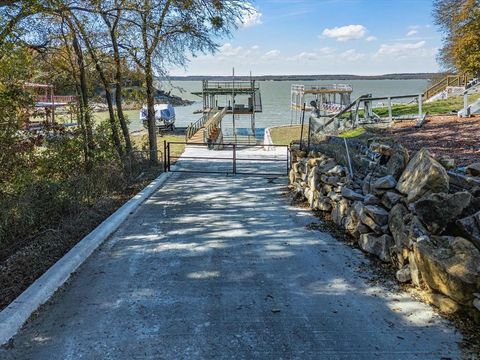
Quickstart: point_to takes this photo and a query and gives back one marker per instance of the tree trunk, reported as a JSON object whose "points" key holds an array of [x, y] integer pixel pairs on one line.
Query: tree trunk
{"points": [[113, 123], [84, 99], [118, 93], [118, 77], [106, 85], [152, 127]]}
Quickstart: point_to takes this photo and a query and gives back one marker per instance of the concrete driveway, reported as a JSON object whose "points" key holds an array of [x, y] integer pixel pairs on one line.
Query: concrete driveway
{"points": [[221, 267]]}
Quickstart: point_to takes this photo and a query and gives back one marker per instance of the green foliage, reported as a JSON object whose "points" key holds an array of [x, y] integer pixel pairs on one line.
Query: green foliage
{"points": [[54, 185], [460, 22]]}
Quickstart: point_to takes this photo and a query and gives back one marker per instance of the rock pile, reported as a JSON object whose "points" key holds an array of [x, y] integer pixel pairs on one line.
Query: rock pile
{"points": [[404, 212]]}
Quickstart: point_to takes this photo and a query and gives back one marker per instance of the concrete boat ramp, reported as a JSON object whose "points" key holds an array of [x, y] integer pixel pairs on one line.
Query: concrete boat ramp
{"points": [[216, 266]]}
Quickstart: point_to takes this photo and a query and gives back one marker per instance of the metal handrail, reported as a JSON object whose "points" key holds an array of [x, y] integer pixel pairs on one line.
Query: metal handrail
{"points": [[214, 124], [55, 98], [230, 85], [197, 125]]}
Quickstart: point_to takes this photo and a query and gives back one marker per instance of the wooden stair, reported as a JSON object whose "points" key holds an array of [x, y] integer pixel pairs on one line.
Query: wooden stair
{"points": [[450, 80], [212, 126]]}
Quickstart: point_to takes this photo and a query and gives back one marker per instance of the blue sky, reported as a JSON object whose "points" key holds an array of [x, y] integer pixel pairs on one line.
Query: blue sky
{"points": [[328, 37]]}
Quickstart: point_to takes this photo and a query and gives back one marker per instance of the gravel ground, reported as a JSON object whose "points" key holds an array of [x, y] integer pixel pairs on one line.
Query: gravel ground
{"points": [[458, 138]]}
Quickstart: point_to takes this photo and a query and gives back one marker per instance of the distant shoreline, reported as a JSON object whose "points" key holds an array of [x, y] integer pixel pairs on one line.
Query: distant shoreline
{"points": [[400, 76]]}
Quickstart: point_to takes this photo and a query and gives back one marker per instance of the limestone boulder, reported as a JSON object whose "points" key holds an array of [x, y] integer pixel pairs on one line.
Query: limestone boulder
{"points": [[312, 197], [368, 221], [334, 196], [313, 179], [291, 176], [398, 226], [470, 227], [371, 199], [449, 265], [298, 154], [414, 272], [398, 161], [353, 224], [377, 213], [436, 211], [326, 188], [403, 275], [350, 194], [326, 165], [473, 169], [416, 230], [447, 162], [339, 211], [442, 302], [323, 203], [377, 245], [331, 180], [385, 182], [337, 170], [476, 303], [314, 161], [367, 184], [422, 175], [390, 199]]}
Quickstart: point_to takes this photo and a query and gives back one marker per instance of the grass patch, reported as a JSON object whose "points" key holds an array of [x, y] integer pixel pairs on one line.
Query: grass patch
{"points": [[140, 142], [439, 107], [286, 134], [98, 117], [353, 133]]}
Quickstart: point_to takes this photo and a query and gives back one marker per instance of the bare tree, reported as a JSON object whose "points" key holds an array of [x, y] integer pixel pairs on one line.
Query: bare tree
{"points": [[99, 66], [165, 32]]}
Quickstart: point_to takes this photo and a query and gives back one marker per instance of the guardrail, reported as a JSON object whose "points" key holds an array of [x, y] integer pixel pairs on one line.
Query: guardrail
{"points": [[300, 88], [56, 99], [229, 84], [197, 125]]}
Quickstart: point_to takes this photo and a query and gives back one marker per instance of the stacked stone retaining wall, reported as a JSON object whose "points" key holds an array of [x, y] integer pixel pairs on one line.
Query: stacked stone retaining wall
{"points": [[406, 213]]}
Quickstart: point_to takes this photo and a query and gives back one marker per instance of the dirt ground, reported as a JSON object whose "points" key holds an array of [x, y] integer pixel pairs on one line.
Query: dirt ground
{"points": [[455, 137]]}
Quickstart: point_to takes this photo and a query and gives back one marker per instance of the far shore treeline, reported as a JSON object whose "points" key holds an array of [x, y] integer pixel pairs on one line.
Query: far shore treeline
{"points": [[333, 77]]}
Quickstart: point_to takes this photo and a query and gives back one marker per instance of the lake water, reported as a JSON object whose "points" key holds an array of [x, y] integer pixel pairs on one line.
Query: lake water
{"points": [[276, 99]]}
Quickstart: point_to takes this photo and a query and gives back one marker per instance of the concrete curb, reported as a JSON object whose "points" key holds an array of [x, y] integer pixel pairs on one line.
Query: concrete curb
{"points": [[14, 315], [267, 140]]}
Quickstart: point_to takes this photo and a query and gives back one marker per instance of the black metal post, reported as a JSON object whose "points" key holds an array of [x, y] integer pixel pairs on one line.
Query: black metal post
{"points": [[301, 129], [234, 158], [168, 156], [164, 155], [309, 127]]}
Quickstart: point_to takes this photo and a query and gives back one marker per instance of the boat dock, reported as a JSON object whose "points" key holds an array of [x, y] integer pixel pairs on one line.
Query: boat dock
{"points": [[222, 98]]}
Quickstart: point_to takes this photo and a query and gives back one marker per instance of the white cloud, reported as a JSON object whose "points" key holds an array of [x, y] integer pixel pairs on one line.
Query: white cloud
{"points": [[228, 49], [319, 54], [412, 32], [344, 33], [400, 49], [326, 51], [305, 56], [352, 55], [371, 38], [271, 55], [255, 47], [251, 17]]}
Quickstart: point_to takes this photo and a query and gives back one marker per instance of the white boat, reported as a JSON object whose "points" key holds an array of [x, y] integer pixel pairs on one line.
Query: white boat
{"points": [[164, 116]]}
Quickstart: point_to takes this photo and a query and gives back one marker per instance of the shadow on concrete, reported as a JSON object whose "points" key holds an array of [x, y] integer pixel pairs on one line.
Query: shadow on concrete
{"points": [[219, 267]]}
